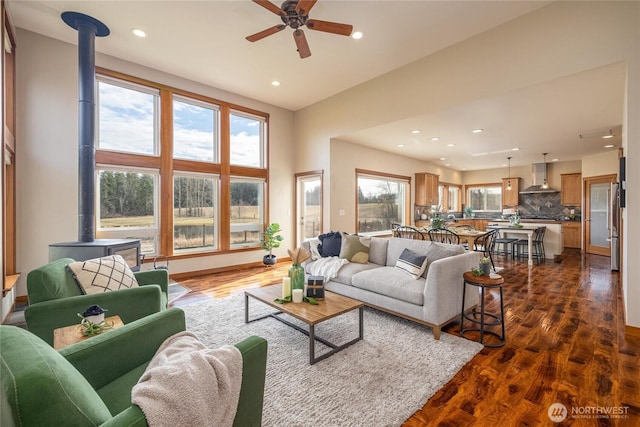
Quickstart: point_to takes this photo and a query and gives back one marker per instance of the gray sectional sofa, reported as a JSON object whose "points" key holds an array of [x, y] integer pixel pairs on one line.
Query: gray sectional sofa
{"points": [[434, 299]]}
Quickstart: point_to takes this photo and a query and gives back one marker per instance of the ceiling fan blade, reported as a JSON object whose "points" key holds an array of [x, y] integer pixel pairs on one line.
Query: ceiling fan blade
{"points": [[270, 7], [330, 27], [301, 43], [304, 6], [264, 33]]}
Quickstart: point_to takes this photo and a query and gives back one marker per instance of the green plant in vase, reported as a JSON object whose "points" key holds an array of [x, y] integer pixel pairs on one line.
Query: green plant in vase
{"points": [[485, 265], [437, 222]]}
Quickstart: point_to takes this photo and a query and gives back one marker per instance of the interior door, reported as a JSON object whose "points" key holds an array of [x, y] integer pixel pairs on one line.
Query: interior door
{"points": [[308, 205], [597, 212]]}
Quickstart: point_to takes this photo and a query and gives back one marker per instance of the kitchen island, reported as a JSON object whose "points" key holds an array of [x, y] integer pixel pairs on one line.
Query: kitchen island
{"points": [[553, 245]]}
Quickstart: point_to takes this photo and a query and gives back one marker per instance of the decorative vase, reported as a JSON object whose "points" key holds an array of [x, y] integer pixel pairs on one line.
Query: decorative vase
{"points": [[486, 268], [296, 273]]}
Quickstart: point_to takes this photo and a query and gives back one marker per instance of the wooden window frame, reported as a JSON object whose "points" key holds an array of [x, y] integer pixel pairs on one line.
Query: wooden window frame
{"points": [[407, 195], [166, 164]]}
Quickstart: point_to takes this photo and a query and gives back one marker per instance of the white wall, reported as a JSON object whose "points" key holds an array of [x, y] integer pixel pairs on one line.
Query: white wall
{"points": [[561, 39], [47, 205], [600, 164]]}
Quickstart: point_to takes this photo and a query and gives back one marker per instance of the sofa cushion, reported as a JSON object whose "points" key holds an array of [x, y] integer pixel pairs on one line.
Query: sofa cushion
{"points": [[104, 274], [330, 244], [40, 387], [378, 250], [391, 282], [355, 248], [441, 250], [412, 263], [433, 250], [348, 270]]}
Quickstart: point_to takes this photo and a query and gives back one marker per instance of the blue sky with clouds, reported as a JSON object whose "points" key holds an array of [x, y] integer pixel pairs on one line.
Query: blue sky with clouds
{"points": [[126, 123]]}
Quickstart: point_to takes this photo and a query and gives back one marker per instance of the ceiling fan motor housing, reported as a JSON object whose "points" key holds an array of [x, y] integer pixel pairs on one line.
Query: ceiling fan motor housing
{"points": [[292, 18]]}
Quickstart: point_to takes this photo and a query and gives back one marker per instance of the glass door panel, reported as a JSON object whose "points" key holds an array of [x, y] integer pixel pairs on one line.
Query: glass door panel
{"points": [[309, 206]]}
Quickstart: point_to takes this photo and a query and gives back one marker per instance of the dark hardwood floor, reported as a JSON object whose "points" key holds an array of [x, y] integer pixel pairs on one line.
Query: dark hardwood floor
{"points": [[566, 344]]}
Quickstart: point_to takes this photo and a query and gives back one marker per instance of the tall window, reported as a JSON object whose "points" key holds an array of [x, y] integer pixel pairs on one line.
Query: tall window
{"points": [[194, 212], [449, 197], [382, 201], [487, 198], [128, 201], [247, 140], [182, 172], [127, 117], [247, 207], [195, 130]]}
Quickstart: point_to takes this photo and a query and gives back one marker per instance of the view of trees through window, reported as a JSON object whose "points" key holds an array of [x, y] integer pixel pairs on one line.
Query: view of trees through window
{"points": [[158, 170], [381, 202], [193, 212]]}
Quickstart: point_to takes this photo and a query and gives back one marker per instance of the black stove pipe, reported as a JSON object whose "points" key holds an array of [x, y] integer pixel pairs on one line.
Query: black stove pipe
{"points": [[88, 28]]}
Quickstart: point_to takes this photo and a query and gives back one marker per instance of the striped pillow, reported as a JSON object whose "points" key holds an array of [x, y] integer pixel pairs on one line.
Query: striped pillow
{"points": [[412, 263]]}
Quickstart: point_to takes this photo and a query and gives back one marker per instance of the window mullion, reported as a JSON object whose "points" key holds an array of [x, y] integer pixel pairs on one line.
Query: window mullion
{"points": [[166, 172], [225, 178]]}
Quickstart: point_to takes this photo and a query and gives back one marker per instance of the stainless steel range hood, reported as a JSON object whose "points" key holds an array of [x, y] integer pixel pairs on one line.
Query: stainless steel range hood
{"points": [[538, 173]]}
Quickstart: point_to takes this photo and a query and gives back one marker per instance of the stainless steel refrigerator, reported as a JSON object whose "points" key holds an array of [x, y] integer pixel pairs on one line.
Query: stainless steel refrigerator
{"points": [[614, 225]]}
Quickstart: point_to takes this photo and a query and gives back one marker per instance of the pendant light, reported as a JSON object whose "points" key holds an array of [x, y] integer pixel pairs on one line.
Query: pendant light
{"points": [[509, 182], [545, 185]]}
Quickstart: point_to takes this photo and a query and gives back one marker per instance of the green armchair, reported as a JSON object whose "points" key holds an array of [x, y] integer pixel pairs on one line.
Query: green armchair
{"points": [[89, 383], [55, 299]]}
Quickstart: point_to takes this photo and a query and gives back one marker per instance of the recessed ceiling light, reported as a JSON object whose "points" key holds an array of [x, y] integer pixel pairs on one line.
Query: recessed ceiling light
{"points": [[416, 131], [477, 130], [400, 145], [609, 146], [443, 158], [138, 32], [515, 149], [504, 165], [275, 83], [357, 35], [447, 164], [451, 145], [435, 138], [555, 160], [607, 136]]}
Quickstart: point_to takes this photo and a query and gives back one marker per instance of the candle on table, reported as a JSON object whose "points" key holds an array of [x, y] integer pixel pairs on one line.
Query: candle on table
{"points": [[286, 287], [297, 295]]}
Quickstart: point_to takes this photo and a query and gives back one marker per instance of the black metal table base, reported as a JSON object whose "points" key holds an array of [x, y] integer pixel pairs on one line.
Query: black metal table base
{"points": [[311, 333]]}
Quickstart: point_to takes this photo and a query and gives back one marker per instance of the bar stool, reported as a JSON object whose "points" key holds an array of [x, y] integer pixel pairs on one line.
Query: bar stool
{"points": [[483, 282]]}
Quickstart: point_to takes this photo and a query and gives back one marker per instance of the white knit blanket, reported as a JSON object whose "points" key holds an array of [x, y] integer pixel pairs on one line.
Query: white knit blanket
{"points": [[327, 267], [189, 384]]}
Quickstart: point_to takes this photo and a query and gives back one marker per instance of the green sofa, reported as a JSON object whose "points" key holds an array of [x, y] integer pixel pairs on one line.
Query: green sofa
{"points": [[89, 383], [55, 299]]}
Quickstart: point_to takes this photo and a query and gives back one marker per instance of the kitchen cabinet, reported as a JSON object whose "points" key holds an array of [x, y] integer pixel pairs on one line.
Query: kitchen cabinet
{"points": [[510, 197], [571, 189], [478, 224], [427, 189], [571, 233]]}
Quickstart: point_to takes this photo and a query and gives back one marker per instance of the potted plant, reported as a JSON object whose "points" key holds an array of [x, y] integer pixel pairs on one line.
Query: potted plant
{"points": [[485, 265], [271, 240], [468, 212]]}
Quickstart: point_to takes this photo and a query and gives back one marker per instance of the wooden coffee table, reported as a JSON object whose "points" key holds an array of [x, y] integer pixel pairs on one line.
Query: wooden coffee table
{"points": [[333, 305]]}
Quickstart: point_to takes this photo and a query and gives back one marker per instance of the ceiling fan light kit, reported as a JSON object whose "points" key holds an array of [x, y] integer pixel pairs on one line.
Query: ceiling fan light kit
{"points": [[295, 14]]}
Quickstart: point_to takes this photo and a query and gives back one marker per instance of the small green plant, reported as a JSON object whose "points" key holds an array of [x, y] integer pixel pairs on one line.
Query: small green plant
{"points": [[468, 211], [477, 271], [90, 329], [271, 239], [437, 222]]}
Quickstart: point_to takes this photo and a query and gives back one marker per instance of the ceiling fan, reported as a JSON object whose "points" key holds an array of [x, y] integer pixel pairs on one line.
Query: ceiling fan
{"points": [[295, 14]]}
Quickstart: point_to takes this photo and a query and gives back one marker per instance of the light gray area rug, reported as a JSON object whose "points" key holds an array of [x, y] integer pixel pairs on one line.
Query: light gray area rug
{"points": [[379, 381]]}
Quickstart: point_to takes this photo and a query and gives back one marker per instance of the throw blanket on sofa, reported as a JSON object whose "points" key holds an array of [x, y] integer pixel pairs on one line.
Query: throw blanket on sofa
{"points": [[327, 267], [189, 384]]}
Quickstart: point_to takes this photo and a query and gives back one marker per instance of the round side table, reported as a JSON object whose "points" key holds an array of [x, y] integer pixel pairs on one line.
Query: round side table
{"points": [[480, 319]]}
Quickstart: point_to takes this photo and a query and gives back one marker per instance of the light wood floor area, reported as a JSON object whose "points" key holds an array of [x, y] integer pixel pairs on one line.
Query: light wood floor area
{"points": [[566, 343]]}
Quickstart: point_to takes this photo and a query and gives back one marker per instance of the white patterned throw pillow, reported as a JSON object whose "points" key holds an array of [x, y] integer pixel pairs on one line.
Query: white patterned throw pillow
{"points": [[104, 274], [412, 263]]}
